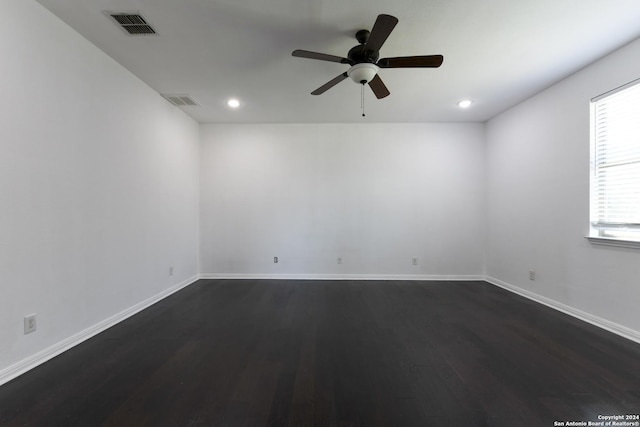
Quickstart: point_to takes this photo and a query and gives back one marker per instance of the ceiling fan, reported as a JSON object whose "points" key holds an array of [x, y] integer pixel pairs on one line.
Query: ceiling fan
{"points": [[364, 61]]}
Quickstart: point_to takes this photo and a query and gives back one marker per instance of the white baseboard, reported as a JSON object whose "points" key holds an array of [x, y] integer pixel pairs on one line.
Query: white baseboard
{"points": [[607, 325], [343, 277], [39, 358]]}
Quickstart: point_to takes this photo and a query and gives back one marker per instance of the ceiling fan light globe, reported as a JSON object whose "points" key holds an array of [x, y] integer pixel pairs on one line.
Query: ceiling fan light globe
{"points": [[363, 73]]}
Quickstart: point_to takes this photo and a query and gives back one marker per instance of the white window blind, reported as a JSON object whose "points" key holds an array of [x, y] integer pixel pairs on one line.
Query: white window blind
{"points": [[615, 164]]}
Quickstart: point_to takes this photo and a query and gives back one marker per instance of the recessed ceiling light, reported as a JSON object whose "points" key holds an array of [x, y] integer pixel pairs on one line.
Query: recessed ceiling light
{"points": [[233, 103], [465, 103]]}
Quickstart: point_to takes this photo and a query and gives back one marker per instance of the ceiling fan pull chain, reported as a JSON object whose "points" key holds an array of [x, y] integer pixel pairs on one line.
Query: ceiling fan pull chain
{"points": [[362, 99]]}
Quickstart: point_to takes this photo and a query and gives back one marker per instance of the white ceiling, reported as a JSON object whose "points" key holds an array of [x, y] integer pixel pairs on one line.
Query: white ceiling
{"points": [[497, 53]]}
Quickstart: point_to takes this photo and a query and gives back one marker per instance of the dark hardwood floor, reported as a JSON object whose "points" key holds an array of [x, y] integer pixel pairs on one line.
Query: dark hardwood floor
{"points": [[316, 353]]}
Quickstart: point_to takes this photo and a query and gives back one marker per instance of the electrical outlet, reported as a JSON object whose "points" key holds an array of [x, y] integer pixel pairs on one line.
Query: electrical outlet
{"points": [[532, 275], [275, 259], [339, 260], [30, 324], [171, 270], [414, 261]]}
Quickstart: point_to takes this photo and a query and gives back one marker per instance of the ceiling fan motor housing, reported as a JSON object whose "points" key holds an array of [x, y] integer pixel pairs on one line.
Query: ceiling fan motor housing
{"points": [[363, 73], [360, 53]]}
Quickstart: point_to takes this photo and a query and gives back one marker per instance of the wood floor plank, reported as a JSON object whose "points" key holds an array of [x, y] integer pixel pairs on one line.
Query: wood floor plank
{"points": [[343, 353]]}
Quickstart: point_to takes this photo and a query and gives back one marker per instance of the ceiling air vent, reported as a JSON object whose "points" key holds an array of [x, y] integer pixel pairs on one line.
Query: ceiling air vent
{"points": [[179, 100], [132, 22]]}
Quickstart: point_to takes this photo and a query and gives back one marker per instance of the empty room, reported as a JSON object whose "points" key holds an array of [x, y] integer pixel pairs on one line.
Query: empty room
{"points": [[320, 213]]}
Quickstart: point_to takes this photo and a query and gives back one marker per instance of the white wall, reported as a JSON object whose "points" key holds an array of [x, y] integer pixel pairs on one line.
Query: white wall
{"points": [[98, 185], [538, 199], [376, 195]]}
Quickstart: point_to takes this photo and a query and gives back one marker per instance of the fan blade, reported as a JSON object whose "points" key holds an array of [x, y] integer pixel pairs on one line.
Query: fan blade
{"points": [[378, 87], [321, 56], [322, 89], [426, 61], [380, 31]]}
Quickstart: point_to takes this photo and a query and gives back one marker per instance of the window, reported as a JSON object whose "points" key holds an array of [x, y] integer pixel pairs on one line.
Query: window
{"points": [[615, 164]]}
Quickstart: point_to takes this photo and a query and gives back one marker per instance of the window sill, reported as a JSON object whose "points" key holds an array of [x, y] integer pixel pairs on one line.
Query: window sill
{"points": [[610, 241]]}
